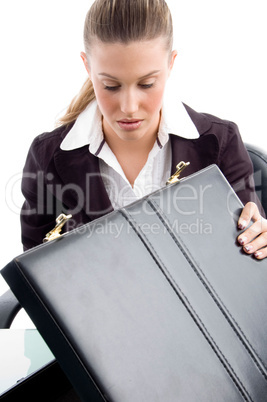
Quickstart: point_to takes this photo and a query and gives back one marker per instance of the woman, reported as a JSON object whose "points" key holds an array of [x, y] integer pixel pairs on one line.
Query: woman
{"points": [[118, 140]]}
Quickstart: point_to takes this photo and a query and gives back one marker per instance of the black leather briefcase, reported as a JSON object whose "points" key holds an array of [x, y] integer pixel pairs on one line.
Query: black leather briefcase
{"points": [[154, 302]]}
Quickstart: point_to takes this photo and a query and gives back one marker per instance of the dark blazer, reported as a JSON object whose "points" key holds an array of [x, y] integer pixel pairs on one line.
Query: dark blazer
{"points": [[56, 181]]}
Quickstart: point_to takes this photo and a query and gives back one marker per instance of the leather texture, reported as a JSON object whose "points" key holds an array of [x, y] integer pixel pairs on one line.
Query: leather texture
{"points": [[154, 302]]}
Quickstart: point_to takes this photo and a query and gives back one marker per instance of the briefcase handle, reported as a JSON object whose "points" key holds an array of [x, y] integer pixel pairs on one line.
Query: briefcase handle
{"points": [[175, 177], [55, 233]]}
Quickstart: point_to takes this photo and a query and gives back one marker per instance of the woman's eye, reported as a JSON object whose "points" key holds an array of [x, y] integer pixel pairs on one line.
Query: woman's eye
{"points": [[116, 87], [146, 86], [111, 88]]}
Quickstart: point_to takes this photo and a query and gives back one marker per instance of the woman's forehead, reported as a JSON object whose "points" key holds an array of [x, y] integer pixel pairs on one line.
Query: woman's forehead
{"points": [[152, 54]]}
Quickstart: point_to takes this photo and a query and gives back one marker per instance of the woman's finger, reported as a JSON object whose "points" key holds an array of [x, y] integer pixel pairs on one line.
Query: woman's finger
{"points": [[249, 212], [260, 254], [254, 238], [257, 228], [256, 244]]}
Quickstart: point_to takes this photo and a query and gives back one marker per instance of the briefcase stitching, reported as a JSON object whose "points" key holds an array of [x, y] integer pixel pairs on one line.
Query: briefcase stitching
{"points": [[225, 363], [201, 275]]}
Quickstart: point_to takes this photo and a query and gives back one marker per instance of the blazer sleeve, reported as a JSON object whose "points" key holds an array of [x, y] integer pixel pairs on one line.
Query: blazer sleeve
{"points": [[235, 163], [37, 216]]}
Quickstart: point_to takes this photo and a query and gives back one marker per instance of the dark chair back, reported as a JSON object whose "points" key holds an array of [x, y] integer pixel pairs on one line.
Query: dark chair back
{"points": [[259, 161]]}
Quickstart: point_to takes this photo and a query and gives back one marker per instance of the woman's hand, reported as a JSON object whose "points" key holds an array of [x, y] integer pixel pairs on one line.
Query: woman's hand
{"points": [[254, 239]]}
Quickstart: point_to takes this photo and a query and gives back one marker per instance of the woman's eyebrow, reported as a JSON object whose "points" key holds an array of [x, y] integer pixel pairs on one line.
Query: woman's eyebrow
{"points": [[140, 78]]}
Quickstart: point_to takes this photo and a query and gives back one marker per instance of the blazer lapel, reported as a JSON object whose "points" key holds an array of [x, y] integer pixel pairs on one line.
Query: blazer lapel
{"points": [[201, 152], [83, 186]]}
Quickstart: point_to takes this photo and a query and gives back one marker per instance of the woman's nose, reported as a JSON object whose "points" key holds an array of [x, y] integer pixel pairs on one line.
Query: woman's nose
{"points": [[129, 102]]}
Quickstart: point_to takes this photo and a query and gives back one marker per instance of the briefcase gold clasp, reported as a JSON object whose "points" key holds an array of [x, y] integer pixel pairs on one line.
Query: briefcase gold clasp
{"points": [[175, 177], [55, 233]]}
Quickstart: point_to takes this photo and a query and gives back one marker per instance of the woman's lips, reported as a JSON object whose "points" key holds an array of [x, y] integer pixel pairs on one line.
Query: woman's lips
{"points": [[129, 125]]}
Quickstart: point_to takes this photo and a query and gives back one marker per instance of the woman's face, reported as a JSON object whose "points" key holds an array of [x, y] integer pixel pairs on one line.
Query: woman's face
{"points": [[129, 82]]}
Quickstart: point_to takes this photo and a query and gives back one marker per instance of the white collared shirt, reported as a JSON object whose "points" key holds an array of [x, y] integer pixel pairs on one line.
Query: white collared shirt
{"points": [[87, 130]]}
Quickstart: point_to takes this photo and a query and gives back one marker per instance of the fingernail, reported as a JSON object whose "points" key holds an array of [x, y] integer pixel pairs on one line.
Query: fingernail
{"points": [[248, 247], [242, 240], [258, 254], [242, 225]]}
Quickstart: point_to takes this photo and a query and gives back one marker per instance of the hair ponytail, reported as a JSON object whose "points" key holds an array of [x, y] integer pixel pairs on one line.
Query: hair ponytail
{"points": [[79, 103]]}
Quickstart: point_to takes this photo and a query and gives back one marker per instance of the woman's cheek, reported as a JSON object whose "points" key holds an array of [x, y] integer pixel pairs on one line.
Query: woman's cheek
{"points": [[154, 102], [106, 101]]}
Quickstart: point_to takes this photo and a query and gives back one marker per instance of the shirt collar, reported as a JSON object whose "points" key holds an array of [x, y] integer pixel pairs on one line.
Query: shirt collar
{"points": [[87, 129]]}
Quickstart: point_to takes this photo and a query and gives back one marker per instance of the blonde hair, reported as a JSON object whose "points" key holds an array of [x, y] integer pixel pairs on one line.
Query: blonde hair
{"points": [[123, 21]]}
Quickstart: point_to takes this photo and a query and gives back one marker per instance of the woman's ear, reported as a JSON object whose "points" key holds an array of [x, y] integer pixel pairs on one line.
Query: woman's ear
{"points": [[85, 62], [173, 56]]}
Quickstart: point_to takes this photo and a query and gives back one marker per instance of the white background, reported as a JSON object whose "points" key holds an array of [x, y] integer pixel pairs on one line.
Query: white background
{"points": [[221, 69]]}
